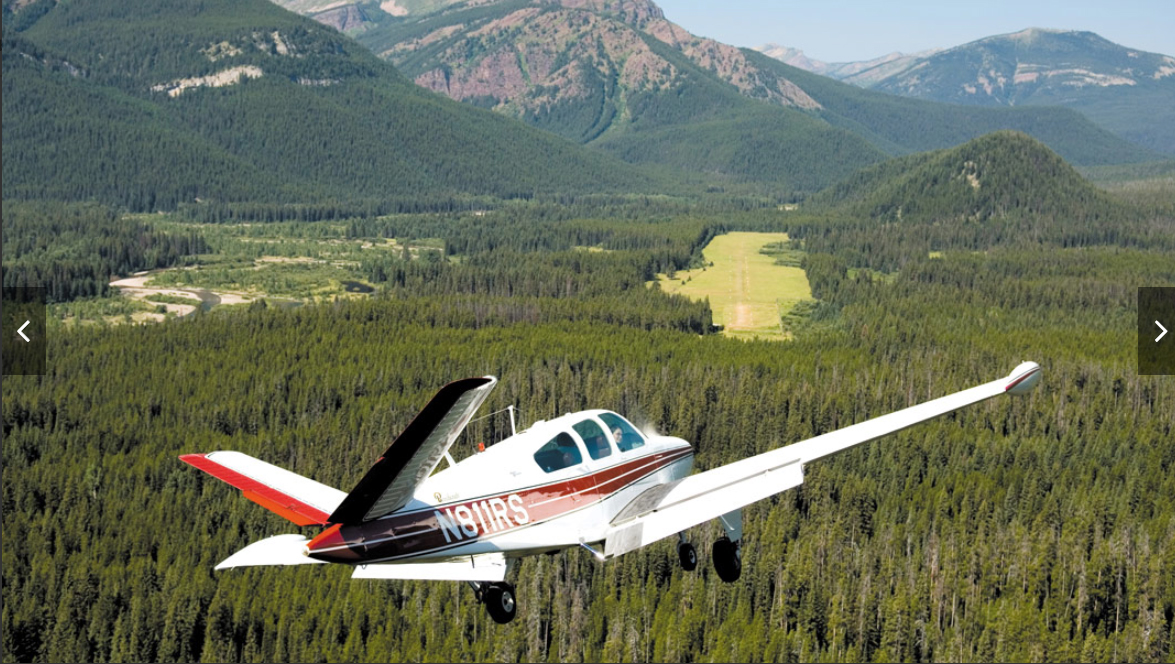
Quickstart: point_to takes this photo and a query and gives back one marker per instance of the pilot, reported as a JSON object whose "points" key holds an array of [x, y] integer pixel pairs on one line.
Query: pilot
{"points": [[616, 433]]}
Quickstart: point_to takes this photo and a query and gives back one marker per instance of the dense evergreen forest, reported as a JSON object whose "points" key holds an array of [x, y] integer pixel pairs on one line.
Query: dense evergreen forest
{"points": [[1038, 529], [73, 250]]}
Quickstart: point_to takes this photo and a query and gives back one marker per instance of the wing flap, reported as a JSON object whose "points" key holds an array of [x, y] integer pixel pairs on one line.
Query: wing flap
{"points": [[299, 499], [489, 567], [688, 504]]}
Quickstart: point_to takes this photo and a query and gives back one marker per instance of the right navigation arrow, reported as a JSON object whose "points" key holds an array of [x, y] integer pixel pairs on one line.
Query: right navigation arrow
{"points": [[1161, 334]]}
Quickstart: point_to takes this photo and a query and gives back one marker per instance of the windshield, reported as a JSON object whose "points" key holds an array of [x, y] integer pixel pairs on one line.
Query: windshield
{"points": [[626, 436]]}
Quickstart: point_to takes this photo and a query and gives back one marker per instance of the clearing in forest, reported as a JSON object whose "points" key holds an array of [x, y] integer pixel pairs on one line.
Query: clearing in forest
{"points": [[748, 292]]}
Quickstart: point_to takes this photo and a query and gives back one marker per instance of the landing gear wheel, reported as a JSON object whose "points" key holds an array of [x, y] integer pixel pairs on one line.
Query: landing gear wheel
{"points": [[688, 556], [728, 559], [500, 603]]}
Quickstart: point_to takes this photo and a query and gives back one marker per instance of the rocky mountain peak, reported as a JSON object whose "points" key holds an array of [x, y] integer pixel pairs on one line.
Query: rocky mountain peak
{"points": [[637, 13]]}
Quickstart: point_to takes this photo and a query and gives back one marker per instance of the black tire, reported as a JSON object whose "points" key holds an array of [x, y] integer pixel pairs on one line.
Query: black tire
{"points": [[688, 555], [728, 560], [500, 602]]}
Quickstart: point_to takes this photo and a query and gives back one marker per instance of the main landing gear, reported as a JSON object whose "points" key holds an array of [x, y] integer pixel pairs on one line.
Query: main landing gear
{"points": [[727, 551], [728, 559], [499, 600], [686, 553]]}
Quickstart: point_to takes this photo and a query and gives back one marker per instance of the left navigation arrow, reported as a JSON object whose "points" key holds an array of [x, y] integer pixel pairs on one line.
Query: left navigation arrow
{"points": [[24, 335]]}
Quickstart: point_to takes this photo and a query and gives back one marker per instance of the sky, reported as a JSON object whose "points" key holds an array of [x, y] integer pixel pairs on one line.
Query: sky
{"points": [[843, 31]]}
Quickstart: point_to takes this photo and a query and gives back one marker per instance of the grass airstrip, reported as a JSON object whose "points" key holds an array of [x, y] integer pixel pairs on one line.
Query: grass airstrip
{"points": [[749, 293]]}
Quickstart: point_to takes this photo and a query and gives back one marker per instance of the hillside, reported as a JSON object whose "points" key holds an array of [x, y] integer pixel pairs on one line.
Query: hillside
{"points": [[155, 104], [1127, 91], [1000, 175]]}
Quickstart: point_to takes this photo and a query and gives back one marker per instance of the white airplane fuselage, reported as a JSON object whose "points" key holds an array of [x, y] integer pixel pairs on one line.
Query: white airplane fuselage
{"points": [[504, 500]]}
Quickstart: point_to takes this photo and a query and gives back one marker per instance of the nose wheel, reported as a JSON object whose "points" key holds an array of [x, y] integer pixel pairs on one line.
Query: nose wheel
{"points": [[500, 602]]}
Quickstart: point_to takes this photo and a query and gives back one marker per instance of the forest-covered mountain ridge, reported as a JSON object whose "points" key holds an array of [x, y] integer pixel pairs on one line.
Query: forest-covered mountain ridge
{"points": [[999, 175], [152, 104]]}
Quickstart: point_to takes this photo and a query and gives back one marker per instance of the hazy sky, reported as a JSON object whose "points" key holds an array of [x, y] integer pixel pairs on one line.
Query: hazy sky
{"points": [[842, 30]]}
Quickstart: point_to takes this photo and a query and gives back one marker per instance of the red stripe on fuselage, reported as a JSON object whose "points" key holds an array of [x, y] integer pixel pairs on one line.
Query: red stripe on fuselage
{"points": [[420, 531], [268, 497]]}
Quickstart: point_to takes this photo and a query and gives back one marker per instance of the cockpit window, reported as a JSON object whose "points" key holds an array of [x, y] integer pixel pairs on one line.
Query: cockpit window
{"points": [[593, 438], [627, 438], [560, 453]]}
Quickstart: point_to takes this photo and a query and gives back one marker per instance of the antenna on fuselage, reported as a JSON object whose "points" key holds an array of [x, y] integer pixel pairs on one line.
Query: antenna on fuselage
{"points": [[513, 429]]}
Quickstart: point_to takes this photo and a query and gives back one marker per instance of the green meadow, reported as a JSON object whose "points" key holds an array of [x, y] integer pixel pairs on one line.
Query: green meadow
{"points": [[747, 288]]}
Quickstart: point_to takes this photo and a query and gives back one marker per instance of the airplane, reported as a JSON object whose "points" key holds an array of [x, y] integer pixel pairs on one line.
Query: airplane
{"points": [[588, 479]]}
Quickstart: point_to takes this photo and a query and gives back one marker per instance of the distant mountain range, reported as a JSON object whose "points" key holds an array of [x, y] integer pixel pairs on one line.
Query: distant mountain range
{"points": [[1127, 91], [154, 104], [619, 76], [864, 73]]}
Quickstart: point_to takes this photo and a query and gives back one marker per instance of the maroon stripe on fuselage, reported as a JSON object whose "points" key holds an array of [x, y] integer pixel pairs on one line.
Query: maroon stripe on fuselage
{"points": [[465, 522]]}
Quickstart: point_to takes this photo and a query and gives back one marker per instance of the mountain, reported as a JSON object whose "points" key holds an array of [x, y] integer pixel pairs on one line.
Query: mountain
{"points": [[900, 125], [1003, 174], [157, 103], [863, 73], [1127, 91], [618, 75], [621, 77]]}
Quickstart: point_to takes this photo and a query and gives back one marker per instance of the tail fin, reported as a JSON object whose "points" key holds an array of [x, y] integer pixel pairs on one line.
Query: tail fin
{"points": [[414, 454], [289, 495]]}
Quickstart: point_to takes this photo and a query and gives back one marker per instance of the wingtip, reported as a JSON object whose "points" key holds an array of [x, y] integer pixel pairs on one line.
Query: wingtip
{"points": [[1023, 378]]}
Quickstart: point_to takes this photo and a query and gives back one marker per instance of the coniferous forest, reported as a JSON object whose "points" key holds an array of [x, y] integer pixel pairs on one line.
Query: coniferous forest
{"points": [[1033, 529]]}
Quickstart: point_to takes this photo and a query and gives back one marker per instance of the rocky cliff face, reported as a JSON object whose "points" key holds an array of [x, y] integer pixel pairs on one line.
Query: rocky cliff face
{"points": [[552, 58]]}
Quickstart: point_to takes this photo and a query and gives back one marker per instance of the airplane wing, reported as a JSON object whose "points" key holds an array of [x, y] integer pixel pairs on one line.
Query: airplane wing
{"points": [[414, 454], [276, 550], [671, 508]]}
